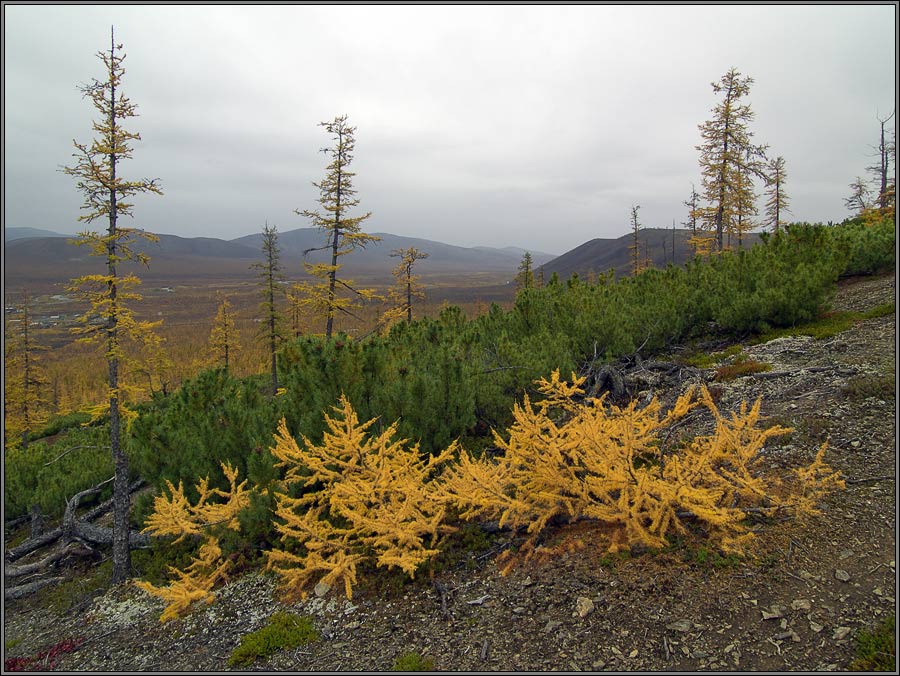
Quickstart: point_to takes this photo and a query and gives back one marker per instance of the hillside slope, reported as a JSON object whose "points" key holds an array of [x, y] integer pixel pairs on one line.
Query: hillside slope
{"points": [[602, 255], [798, 606]]}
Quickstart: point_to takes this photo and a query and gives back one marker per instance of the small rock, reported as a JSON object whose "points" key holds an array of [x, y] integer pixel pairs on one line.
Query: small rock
{"points": [[842, 575], [321, 589], [774, 613], [616, 651], [633, 654], [815, 626], [480, 600], [598, 665], [352, 625], [551, 626], [801, 604], [700, 655], [680, 625], [518, 610], [878, 591], [527, 582], [855, 443], [584, 606], [841, 633]]}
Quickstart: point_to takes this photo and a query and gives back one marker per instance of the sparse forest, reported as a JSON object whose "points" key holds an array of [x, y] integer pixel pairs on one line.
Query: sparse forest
{"points": [[336, 434]]}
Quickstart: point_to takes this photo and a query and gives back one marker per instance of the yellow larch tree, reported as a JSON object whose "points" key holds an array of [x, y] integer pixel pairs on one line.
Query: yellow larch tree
{"points": [[223, 339], [333, 293], [174, 515], [406, 284], [727, 154], [364, 498], [777, 200], [592, 460], [25, 384], [110, 321]]}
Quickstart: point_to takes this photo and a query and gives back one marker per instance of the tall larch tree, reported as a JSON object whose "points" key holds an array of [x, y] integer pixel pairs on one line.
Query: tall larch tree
{"points": [[777, 200], [744, 203], [727, 154], [270, 277], [223, 339], [700, 241], [635, 247], [344, 232], [25, 383], [106, 196], [406, 283], [525, 275]]}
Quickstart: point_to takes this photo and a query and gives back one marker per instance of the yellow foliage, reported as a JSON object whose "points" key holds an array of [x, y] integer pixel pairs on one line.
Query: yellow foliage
{"points": [[193, 584], [366, 498], [590, 460], [174, 515]]}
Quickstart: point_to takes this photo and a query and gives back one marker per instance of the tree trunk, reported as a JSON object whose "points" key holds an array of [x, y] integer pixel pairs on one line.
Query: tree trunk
{"points": [[37, 521]]}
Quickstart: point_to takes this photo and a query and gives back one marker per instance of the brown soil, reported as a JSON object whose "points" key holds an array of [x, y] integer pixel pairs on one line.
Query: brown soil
{"points": [[797, 606]]}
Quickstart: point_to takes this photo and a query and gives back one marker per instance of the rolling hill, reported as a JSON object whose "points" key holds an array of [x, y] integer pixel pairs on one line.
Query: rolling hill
{"points": [[601, 255], [10, 234], [43, 261]]}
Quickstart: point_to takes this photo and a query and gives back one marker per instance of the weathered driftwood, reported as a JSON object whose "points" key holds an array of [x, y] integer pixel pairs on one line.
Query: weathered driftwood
{"points": [[80, 528], [71, 549], [23, 590]]}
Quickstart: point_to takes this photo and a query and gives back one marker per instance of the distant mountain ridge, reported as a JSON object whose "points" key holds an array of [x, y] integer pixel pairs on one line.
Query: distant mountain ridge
{"points": [[10, 234], [32, 259], [52, 259], [376, 256]]}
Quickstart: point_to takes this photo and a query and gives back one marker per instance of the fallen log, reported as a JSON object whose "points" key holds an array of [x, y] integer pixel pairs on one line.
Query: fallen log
{"points": [[80, 528], [71, 549], [11, 593]]}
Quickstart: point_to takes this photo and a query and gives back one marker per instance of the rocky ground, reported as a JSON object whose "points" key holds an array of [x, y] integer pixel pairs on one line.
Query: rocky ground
{"points": [[797, 606]]}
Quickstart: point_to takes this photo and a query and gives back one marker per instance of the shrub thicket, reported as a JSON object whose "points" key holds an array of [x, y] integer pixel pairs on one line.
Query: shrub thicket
{"points": [[453, 377]]}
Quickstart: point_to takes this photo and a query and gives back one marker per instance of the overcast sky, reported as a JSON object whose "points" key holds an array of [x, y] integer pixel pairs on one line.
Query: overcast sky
{"points": [[529, 126]]}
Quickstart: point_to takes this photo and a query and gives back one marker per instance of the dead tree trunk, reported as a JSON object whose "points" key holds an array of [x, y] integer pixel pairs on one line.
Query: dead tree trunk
{"points": [[80, 528]]}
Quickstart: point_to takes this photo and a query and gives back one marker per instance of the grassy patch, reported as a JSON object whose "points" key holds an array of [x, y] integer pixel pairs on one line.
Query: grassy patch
{"points": [[705, 360], [613, 559], [691, 551], [413, 661], [882, 310], [828, 325], [284, 630], [875, 649], [704, 556], [881, 386], [741, 366]]}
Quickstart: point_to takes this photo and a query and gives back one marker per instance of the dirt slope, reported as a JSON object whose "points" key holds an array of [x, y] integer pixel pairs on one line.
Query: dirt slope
{"points": [[797, 607]]}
